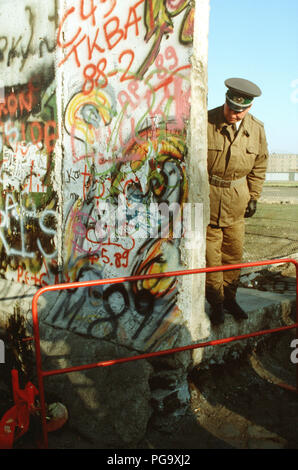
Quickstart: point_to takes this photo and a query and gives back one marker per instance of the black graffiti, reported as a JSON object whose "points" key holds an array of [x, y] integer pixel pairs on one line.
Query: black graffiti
{"points": [[3, 48], [14, 47], [144, 302], [72, 175], [124, 304], [105, 306], [115, 309]]}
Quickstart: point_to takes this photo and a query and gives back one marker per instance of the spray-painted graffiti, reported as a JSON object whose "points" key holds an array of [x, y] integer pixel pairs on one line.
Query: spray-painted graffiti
{"points": [[28, 136], [27, 38], [28, 133], [16, 49], [124, 82], [25, 168], [119, 27], [126, 122], [27, 240], [98, 131], [155, 175], [143, 313], [18, 124]]}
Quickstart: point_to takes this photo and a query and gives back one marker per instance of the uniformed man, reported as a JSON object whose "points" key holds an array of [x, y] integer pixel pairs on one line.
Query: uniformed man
{"points": [[237, 161]]}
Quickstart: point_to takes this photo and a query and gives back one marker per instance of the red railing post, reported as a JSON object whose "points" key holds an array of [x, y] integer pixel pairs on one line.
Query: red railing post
{"points": [[41, 374], [39, 370]]}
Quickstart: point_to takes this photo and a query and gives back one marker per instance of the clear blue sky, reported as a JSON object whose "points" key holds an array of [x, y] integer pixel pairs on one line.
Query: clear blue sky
{"points": [[258, 40]]}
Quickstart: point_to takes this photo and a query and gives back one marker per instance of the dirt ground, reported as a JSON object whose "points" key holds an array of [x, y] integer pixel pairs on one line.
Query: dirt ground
{"points": [[233, 406], [236, 405], [272, 232], [239, 406]]}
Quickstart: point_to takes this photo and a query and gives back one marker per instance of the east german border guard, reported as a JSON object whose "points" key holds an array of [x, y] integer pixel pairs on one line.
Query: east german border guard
{"points": [[237, 162]]}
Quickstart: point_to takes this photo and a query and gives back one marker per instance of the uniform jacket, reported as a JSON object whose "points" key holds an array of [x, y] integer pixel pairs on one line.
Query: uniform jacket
{"points": [[241, 159]]}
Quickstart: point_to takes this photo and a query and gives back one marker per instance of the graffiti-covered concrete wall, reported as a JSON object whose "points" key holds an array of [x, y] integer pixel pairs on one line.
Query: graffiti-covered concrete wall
{"points": [[28, 132], [103, 162], [124, 72]]}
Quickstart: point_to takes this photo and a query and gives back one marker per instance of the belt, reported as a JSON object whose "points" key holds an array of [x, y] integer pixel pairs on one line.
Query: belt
{"points": [[217, 181]]}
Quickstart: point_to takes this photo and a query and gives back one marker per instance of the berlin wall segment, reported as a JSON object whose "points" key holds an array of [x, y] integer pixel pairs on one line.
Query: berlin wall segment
{"points": [[125, 80], [28, 134], [95, 115]]}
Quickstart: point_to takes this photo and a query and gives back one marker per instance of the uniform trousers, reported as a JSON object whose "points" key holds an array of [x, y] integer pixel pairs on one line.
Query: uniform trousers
{"points": [[224, 245]]}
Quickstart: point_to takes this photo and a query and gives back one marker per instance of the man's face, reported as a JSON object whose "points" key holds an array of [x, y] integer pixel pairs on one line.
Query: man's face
{"points": [[232, 116]]}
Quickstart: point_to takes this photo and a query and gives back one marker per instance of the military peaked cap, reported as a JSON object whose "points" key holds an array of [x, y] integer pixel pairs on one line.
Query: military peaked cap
{"points": [[241, 93]]}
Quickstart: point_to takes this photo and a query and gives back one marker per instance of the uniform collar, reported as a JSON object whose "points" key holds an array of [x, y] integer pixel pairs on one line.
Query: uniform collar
{"points": [[245, 125]]}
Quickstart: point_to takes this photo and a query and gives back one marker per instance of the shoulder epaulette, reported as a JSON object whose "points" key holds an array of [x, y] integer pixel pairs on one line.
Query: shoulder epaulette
{"points": [[257, 120]]}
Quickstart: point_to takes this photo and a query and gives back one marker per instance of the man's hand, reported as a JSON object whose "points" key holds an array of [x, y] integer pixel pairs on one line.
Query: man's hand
{"points": [[251, 208]]}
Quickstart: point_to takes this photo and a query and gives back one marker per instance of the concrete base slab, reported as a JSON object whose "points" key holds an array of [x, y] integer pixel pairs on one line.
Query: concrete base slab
{"points": [[265, 310]]}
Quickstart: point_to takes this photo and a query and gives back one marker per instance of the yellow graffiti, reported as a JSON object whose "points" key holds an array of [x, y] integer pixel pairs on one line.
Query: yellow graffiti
{"points": [[156, 261], [84, 113]]}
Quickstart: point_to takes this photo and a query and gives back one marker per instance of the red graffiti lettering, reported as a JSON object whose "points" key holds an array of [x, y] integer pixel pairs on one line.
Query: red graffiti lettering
{"points": [[118, 32], [25, 277], [112, 32], [38, 280], [20, 273], [135, 20], [36, 125], [91, 13], [125, 100], [67, 44], [86, 182], [111, 9], [3, 109], [26, 102], [23, 131], [96, 73], [40, 133], [73, 51], [18, 103], [94, 46], [132, 56], [12, 104]]}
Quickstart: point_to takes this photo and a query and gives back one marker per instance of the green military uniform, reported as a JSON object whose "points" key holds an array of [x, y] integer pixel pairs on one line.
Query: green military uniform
{"points": [[237, 161]]}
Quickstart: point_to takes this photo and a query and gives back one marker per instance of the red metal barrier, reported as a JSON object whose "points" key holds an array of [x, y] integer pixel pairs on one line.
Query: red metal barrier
{"points": [[41, 373]]}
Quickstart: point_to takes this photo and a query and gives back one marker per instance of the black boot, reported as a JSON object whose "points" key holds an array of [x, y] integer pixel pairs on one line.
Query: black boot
{"points": [[217, 315], [234, 309]]}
